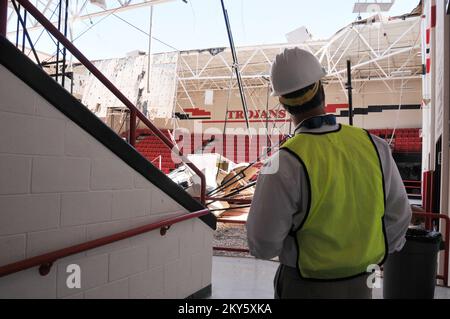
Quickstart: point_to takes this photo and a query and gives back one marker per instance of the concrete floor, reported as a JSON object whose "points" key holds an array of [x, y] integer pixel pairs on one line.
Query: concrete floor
{"points": [[248, 278], [242, 278]]}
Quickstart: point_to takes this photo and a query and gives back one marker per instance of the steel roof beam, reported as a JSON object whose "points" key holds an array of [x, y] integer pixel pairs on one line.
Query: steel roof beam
{"points": [[125, 7]]}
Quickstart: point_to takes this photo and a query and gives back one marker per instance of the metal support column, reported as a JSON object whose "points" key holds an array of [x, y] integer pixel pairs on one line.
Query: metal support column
{"points": [[21, 22], [64, 51], [149, 64], [236, 65], [132, 127], [57, 43], [24, 26], [267, 118], [350, 92]]}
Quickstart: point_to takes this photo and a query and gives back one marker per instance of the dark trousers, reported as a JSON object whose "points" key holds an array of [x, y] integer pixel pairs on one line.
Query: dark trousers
{"points": [[289, 285]]}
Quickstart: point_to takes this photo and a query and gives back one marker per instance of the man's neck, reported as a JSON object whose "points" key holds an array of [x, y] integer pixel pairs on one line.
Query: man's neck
{"points": [[319, 123], [297, 119]]}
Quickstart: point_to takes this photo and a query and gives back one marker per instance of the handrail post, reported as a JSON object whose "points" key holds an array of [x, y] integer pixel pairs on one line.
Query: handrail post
{"points": [[132, 127], [3, 17], [203, 189]]}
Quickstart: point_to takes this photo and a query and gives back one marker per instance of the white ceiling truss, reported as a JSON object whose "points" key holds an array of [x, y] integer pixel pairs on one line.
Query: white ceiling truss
{"points": [[79, 10], [380, 49]]}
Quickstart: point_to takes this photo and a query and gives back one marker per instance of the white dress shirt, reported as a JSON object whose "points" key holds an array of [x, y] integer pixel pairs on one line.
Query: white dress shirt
{"points": [[280, 203]]}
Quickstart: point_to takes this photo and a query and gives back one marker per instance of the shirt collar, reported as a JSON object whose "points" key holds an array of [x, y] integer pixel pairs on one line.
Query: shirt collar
{"points": [[323, 129]]}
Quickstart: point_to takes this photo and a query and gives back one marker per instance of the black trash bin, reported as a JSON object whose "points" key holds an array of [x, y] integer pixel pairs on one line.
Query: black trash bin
{"points": [[411, 273]]}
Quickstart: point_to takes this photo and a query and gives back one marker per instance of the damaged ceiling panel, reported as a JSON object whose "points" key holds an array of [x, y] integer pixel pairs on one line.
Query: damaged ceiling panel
{"points": [[129, 75]]}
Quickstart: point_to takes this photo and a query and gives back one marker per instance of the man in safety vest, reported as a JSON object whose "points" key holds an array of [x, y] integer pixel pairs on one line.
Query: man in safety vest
{"points": [[336, 206]]}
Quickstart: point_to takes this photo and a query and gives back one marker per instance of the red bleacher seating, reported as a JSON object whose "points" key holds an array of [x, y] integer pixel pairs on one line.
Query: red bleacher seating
{"points": [[404, 141], [151, 147], [244, 149]]}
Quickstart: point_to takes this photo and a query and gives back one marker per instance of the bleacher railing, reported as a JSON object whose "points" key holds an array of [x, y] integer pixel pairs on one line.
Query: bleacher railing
{"points": [[413, 189]]}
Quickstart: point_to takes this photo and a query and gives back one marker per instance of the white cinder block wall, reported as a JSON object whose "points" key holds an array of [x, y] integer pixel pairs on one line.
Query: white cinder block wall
{"points": [[59, 187]]}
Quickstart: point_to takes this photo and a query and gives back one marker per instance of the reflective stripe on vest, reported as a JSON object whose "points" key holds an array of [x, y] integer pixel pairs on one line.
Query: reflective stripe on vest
{"points": [[343, 230]]}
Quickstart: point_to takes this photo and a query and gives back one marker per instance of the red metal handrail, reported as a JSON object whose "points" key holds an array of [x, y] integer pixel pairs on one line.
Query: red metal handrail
{"points": [[46, 261], [134, 111]]}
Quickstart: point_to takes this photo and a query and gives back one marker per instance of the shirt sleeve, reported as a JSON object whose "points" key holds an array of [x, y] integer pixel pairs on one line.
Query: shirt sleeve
{"points": [[275, 202], [398, 210]]}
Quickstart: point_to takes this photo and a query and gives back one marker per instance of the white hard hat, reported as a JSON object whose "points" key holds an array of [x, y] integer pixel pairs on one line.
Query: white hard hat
{"points": [[295, 69]]}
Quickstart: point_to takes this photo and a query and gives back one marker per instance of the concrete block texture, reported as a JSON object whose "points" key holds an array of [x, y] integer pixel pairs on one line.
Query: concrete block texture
{"points": [[45, 109], [127, 262], [111, 174], [78, 143], [59, 174], [27, 213], [95, 231], [15, 172], [114, 290], [85, 208], [42, 242], [148, 284], [162, 203], [12, 248], [94, 273], [171, 281], [164, 250], [16, 95], [36, 136], [60, 187], [28, 284], [132, 203]]}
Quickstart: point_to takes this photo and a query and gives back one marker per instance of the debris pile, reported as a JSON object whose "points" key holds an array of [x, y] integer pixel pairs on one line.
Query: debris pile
{"points": [[229, 186]]}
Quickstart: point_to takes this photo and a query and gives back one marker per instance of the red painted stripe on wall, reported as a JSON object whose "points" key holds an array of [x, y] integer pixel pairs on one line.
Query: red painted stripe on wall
{"points": [[197, 112]]}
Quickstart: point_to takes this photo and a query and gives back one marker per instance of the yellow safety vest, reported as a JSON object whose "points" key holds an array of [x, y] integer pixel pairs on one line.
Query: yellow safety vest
{"points": [[343, 230]]}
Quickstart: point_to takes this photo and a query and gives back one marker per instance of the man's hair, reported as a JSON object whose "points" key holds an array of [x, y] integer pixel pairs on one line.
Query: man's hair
{"points": [[317, 100]]}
